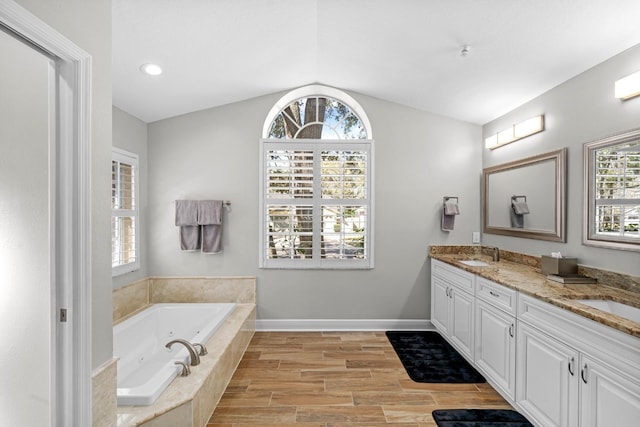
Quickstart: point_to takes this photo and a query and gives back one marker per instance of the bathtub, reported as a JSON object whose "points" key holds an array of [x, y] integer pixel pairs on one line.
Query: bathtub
{"points": [[145, 366]]}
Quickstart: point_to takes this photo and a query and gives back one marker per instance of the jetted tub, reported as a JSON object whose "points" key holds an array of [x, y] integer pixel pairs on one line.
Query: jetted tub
{"points": [[145, 366]]}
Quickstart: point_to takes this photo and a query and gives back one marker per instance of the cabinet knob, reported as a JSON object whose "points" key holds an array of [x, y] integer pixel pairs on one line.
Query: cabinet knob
{"points": [[583, 373], [511, 330], [493, 294]]}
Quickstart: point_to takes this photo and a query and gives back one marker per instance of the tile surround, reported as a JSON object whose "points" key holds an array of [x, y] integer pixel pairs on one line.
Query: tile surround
{"points": [[194, 397], [130, 299], [103, 398]]}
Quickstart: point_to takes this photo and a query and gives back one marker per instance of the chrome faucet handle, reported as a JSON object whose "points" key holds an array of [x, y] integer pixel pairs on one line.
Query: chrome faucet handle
{"points": [[185, 368], [203, 350], [195, 358]]}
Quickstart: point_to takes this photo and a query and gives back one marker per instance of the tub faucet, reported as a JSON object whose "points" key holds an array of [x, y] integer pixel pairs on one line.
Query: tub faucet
{"points": [[203, 350], [185, 368], [193, 353]]}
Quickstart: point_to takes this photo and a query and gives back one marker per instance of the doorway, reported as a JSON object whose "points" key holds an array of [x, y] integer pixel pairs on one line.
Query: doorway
{"points": [[45, 256]]}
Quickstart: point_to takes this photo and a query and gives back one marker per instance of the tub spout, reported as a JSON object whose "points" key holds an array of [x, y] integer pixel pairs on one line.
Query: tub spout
{"points": [[203, 350], [185, 368], [193, 354]]}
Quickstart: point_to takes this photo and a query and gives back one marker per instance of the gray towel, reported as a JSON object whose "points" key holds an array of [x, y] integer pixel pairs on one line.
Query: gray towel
{"points": [[190, 237], [187, 220], [210, 218], [209, 212], [451, 207], [186, 212], [520, 208], [449, 213], [448, 221]]}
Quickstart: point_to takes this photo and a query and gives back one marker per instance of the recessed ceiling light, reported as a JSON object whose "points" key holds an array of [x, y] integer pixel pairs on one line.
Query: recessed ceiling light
{"points": [[151, 69]]}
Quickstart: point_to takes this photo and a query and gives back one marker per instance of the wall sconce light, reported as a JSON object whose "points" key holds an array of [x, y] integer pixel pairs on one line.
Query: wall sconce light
{"points": [[515, 132], [628, 87]]}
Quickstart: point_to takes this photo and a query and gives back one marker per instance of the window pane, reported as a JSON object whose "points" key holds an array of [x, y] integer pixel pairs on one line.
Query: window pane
{"points": [[317, 117], [344, 175], [123, 240], [343, 232], [617, 190], [289, 174], [290, 232]]}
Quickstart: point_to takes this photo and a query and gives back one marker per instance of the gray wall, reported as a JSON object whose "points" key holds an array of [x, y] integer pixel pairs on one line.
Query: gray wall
{"points": [[130, 134], [420, 158], [88, 25], [580, 110]]}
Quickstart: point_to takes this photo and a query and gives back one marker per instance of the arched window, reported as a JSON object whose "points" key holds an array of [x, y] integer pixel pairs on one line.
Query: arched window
{"points": [[316, 182]]}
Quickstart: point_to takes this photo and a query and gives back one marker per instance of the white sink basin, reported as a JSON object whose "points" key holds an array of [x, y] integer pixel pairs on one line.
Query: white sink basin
{"points": [[613, 307], [474, 263]]}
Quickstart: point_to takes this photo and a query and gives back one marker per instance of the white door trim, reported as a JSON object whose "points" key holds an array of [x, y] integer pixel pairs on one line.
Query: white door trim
{"points": [[70, 213]]}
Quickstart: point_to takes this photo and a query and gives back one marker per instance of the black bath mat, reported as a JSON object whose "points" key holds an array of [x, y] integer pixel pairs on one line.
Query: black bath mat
{"points": [[428, 358], [479, 418]]}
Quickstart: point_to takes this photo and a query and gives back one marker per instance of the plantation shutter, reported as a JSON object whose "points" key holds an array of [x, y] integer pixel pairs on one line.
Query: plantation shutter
{"points": [[124, 212], [316, 204]]}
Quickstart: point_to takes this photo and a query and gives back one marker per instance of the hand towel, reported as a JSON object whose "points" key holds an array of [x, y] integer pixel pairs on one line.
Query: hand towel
{"points": [[451, 207], [449, 213], [210, 219], [519, 208], [187, 220]]}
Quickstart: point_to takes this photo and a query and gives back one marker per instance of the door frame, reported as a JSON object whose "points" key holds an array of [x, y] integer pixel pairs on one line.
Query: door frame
{"points": [[70, 213]]}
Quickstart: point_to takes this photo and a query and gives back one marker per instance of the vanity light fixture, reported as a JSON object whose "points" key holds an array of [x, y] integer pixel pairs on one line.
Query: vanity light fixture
{"points": [[515, 132], [628, 87], [151, 69]]}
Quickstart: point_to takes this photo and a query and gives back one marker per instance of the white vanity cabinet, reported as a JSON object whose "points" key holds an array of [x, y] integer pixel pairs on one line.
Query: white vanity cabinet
{"points": [[547, 369], [452, 305], [558, 368], [575, 372], [495, 336]]}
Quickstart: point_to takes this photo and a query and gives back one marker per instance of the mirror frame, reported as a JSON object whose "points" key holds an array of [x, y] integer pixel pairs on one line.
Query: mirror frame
{"points": [[588, 236], [559, 232]]}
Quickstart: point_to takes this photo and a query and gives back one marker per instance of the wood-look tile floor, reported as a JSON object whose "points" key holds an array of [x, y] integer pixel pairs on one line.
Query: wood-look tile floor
{"points": [[335, 379]]}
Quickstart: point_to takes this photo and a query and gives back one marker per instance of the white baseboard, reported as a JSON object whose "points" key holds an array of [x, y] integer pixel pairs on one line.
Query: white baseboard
{"points": [[342, 324]]}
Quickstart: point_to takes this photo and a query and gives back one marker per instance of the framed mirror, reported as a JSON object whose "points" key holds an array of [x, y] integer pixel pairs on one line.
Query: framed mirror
{"points": [[612, 192], [527, 198]]}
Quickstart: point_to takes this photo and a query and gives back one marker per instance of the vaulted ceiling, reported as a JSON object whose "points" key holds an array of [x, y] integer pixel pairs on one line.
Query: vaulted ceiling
{"points": [[216, 52]]}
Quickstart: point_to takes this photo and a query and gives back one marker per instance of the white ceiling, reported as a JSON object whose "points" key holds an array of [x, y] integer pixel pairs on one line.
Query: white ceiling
{"points": [[216, 52]]}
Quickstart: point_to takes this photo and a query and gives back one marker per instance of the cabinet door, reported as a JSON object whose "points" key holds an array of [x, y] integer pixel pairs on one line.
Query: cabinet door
{"points": [[547, 377], [496, 347], [608, 398], [461, 327], [440, 305]]}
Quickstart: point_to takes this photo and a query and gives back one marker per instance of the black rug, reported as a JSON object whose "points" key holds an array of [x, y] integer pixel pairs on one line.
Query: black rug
{"points": [[428, 358], [479, 418]]}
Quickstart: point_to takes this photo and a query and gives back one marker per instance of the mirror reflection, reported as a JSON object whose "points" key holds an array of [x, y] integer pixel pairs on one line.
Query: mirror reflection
{"points": [[525, 198]]}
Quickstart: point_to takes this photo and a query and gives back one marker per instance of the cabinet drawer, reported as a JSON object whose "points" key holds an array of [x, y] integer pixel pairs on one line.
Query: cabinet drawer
{"points": [[497, 295], [454, 276]]}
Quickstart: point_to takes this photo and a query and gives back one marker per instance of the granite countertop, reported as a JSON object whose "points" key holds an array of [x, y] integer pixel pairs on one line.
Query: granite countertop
{"points": [[529, 280]]}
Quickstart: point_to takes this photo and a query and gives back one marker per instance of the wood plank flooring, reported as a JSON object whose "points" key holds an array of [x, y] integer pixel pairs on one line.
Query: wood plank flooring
{"points": [[335, 379]]}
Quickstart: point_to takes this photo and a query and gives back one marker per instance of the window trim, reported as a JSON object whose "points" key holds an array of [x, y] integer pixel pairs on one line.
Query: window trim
{"points": [[123, 156], [318, 263], [589, 235]]}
